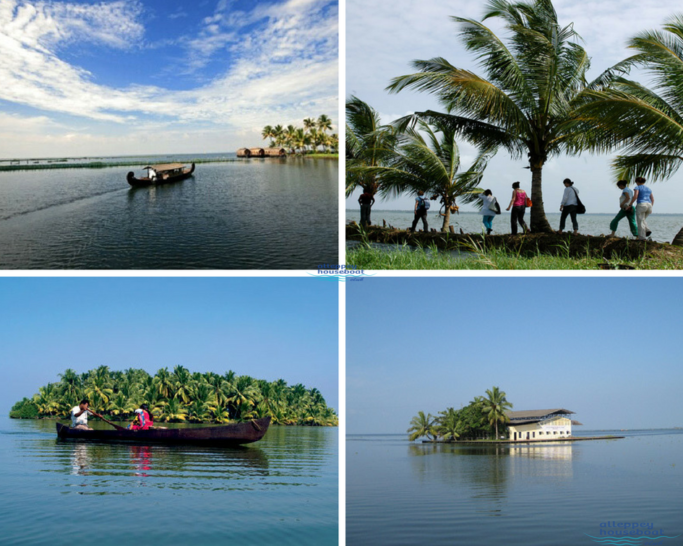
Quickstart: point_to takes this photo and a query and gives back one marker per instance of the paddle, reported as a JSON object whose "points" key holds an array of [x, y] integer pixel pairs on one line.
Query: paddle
{"points": [[117, 427]]}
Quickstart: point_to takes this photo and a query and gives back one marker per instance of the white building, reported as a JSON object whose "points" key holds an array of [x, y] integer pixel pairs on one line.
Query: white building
{"points": [[550, 424]]}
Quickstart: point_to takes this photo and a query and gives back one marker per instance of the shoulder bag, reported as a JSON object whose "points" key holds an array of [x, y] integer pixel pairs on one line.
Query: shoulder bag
{"points": [[580, 208]]}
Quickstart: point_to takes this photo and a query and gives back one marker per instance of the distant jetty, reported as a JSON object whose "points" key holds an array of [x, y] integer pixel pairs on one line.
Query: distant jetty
{"points": [[517, 442]]}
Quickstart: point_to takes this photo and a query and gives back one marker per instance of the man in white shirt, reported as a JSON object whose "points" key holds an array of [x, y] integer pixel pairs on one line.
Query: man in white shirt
{"points": [[79, 416], [569, 205]]}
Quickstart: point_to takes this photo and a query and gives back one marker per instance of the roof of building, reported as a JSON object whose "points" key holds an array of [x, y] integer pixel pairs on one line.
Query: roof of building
{"points": [[536, 414], [165, 167], [519, 422], [576, 423]]}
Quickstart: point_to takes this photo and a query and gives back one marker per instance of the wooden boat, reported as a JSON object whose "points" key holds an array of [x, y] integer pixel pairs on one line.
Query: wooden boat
{"points": [[227, 435], [160, 174]]}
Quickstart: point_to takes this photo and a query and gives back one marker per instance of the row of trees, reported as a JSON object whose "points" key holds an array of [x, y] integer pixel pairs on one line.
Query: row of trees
{"points": [[534, 102], [179, 396], [479, 419], [311, 137]]}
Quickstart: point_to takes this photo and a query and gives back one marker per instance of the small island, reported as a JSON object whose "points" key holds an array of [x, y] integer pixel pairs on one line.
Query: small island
{"points": [[489, 419], [179, 396]]}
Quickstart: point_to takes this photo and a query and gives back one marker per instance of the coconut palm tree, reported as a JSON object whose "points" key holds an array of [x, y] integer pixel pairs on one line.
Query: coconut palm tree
{"points": [[368, 144], [645, 123], [527, 102], [495, 405], [449, 425], [431, 165], [422, 425], [173, 410], [324, 123], [267, 132]]}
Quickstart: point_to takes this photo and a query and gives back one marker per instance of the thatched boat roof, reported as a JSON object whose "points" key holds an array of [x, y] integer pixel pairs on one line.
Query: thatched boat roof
{"points": [[165, 167], [275, 151]]}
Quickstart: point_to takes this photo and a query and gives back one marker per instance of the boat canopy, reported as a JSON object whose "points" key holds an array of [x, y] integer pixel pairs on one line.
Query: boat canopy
{"points": [[165, 167]]}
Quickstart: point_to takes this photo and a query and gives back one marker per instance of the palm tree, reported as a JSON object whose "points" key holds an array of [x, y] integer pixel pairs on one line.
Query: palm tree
{"points": [[324, 123], [449, 425], [647, 123], [431, 166], [173, 411], [422, 425], [309, 123], [368, 144], [527, 104], [494, 406], [267, 132]]}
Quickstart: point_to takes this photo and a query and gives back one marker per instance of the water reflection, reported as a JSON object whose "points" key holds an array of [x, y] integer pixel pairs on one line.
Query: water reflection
{"points": [[485, 472], [116, 468]]}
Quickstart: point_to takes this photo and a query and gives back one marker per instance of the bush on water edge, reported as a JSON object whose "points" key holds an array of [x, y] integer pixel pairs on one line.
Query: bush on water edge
{"points": [[406, 258], [24, 409]]}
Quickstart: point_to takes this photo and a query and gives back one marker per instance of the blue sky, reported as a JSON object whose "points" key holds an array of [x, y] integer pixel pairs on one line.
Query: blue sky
{"points": [[605, 348], [161, 76], [268, 328], [384, 36]]}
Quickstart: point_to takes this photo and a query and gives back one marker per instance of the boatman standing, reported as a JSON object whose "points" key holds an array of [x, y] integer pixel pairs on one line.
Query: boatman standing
{"points": [[79, 416]]}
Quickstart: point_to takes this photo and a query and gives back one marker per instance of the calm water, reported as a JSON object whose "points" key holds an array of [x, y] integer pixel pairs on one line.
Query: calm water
{"points": [[250, 214], [664, 226], [408, 494], [282, 490]]}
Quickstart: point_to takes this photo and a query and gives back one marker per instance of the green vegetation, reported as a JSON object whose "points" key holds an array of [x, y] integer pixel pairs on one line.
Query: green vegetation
{"points": [[308, 139], [323, 155], [533, 101], [102, 164], [478, 420], [179, 396], [414, 251], [431, 165], [24, 409]]}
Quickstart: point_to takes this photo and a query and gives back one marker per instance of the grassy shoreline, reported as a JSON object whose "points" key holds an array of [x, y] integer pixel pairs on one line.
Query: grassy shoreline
{"points": [[416, 251]]}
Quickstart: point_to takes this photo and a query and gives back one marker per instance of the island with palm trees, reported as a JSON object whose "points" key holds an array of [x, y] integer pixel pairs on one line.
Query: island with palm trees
{"points": [[179, 396], [533, 101], [489, 419], [312, 140]]}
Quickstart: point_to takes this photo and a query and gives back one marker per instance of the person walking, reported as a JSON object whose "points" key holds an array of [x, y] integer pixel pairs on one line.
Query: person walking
{"points": [[569, 205], [518, 206], [644, 200], [626, 210], [421, 208], [366, 200], [488, 210]]}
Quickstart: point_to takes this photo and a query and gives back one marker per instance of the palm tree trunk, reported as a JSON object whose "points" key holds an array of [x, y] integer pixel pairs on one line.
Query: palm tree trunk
{"points": [[678, 239], [539, 223], [446, 220]]}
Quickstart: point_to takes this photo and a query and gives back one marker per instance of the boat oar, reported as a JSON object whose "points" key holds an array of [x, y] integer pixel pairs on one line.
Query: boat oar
{"points": [[117, 427]]}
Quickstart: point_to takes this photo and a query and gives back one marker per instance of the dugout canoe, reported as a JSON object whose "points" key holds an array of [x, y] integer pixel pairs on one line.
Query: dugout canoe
{"points": [[161, 174], [226, 435]]}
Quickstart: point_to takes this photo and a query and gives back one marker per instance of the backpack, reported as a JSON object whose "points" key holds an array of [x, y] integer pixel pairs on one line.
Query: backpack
{"points": [[424, 203]]}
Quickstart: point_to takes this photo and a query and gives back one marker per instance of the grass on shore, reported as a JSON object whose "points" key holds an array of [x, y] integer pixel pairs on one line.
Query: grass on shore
{"points": [[404, 257], [323, 155]]}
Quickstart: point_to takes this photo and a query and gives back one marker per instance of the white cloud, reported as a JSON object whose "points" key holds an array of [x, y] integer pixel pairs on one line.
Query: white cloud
{"points": [[286, 70]]}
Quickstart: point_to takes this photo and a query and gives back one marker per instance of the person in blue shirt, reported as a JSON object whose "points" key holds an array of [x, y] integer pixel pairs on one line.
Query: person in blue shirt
{"points": [[626, 210], [421, 207], [644, 200]]}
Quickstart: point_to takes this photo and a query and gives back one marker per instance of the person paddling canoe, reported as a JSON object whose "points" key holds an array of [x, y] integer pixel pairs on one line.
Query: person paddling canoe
{"points": [[79, 415]]}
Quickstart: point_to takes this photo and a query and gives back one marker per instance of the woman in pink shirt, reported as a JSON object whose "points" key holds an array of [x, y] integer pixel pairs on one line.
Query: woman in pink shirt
{"points": [[518, 205]]}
